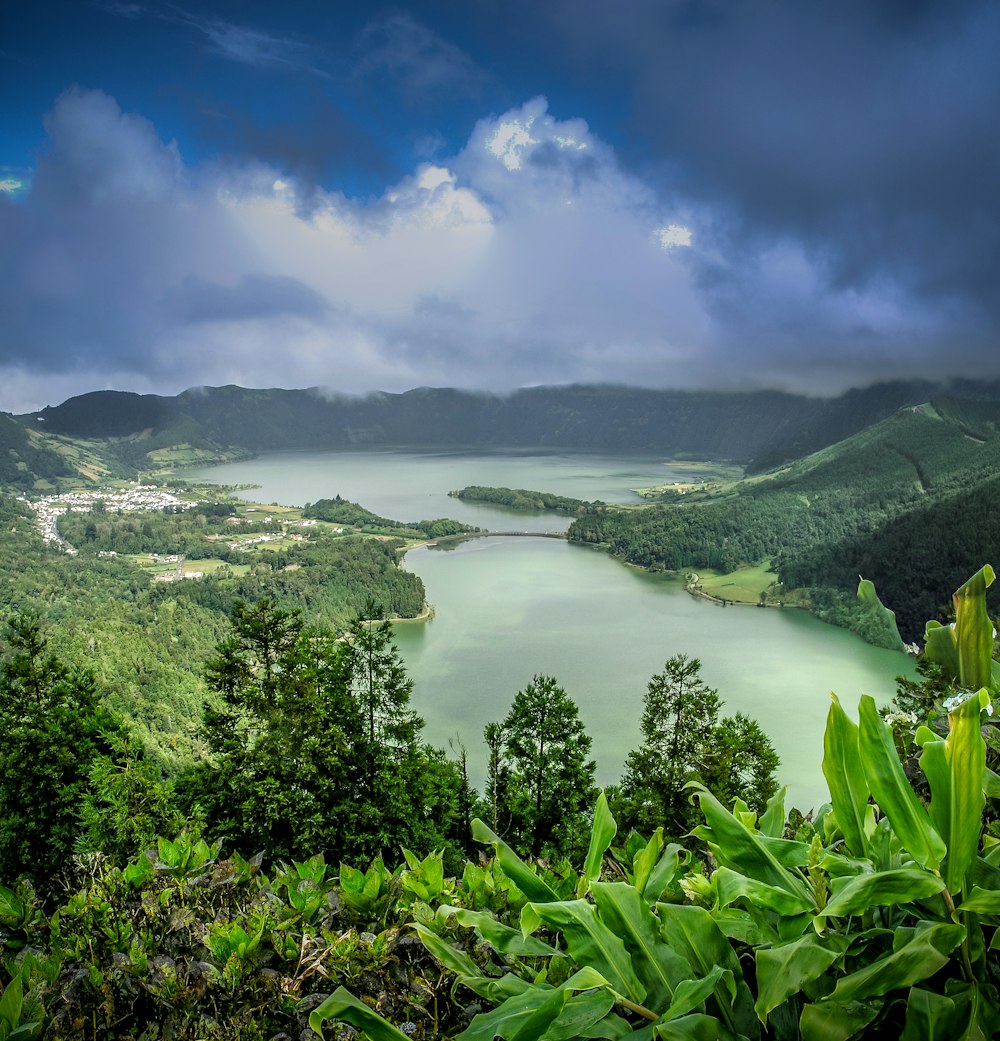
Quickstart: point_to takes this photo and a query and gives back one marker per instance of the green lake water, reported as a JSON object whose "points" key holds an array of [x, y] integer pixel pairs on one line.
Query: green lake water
{"points": [[508, 608]]}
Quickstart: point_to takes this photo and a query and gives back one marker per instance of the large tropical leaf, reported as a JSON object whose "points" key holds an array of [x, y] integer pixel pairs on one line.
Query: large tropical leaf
{"points": [[660, 968], [590, 942], [930, 1017], [732, 886], [955, 769], [913, 962], [783, 971], [505, 939], [893, 792], [857, 894], [602, 832], [828, 1022], [533, 887], [692, 932], [845, 775], [974, 631], [343, 1005], [746, 851]]}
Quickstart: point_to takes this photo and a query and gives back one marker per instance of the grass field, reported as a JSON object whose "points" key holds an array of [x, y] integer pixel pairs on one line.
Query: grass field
{"points": [[743, 586]]}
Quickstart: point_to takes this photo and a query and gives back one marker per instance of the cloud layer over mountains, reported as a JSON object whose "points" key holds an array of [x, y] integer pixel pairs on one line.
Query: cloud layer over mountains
{"points": [[803, 197]]}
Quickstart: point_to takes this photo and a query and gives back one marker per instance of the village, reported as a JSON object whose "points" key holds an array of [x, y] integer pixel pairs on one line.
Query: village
{"points": [[140, 497]]}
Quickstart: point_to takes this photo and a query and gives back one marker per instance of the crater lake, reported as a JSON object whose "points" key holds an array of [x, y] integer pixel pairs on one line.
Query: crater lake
{"points": [[508, 608]]}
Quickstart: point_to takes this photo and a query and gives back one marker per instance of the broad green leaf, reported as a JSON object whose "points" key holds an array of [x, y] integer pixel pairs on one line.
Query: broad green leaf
{"points": [[978, 1015], [893, 792], [732, 886], [913, 962], [505, 939], [580, 1013], [696, 1027], [343, 1005], [602, 833], [659, 967], [691, 994], [512, 865], [954, 767], [868, 596], [772, 821], [981, 901], [614, 1028], [929, 1017], [691, 931], [664, 871], [740, 925], [828, 1022], [964, 650], [450, 957], [880, 889], [590, 942], [974, 631], [785, 970], [846, 777], [10, 1005], [537, 1006], [746, 851], [991, 784], [940, 647]]}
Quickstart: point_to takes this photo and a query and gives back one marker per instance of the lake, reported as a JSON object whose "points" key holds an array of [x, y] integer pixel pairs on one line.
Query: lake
{"points": [[506, 609]]}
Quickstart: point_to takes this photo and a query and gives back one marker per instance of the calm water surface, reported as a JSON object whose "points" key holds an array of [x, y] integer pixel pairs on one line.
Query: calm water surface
{"points": [[507, 609], [412, 486]]}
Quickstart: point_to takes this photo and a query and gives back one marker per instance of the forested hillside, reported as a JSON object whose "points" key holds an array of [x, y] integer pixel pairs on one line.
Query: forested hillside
{"points": [[130, 906], [761, 428], [146, 639], [881, 504]]}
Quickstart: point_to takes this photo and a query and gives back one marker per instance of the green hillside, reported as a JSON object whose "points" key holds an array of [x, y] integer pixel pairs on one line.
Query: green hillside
{"points": [[884, 502], [757, 429]]}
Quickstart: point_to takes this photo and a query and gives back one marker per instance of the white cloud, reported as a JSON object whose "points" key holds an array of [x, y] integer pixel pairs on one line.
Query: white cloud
{"points": [[530, 257]]}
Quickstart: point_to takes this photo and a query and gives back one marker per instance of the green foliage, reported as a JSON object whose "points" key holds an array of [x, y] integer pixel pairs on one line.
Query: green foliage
{"points": [[315, 747], [342, 511], [547, 779], [522, 499], [684, 742], [129, 803], [54, 729]]}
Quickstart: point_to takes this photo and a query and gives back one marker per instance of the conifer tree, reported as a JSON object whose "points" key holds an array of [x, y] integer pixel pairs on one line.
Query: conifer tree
{"points": [[548, 784], [53, 728]]}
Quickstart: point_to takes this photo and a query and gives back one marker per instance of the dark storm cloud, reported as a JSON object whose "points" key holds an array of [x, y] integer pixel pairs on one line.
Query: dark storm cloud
{"points": [[253, 297], [417, 60], [866, 131]]}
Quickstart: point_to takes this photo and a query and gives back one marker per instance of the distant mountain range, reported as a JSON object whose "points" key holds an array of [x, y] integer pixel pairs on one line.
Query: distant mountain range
{"points": [[758, 429]]}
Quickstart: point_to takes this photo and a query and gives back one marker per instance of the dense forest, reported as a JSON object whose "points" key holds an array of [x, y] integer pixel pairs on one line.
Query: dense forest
{"points": [[522, 499], [879, 505], [684, 903], [758, 429], [146, 639]]}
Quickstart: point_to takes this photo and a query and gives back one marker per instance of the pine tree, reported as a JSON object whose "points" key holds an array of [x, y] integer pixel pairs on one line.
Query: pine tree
{"points": [[683, 741], [53, 728], [549, 783]]}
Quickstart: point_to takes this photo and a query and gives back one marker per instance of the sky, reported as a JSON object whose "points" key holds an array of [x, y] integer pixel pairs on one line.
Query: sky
{"points": [[490, 194]]}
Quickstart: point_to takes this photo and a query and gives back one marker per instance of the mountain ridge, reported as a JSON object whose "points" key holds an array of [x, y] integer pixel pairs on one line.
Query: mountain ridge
{"points": [[758, 429]]}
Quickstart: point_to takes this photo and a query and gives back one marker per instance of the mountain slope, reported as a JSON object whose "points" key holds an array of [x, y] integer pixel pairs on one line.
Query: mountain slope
{"points": [[761, 428], [888, 503]]}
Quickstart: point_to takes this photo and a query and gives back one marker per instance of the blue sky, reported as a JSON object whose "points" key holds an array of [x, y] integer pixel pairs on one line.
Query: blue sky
{"points": [[492, 194]]}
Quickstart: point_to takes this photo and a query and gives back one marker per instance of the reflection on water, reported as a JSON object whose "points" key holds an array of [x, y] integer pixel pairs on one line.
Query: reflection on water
{"points": [[507, 609]]}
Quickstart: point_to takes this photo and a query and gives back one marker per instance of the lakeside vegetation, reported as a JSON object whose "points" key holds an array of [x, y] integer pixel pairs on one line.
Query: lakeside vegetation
{"points": [[522, 499], [873, 916], [191, 768]]}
